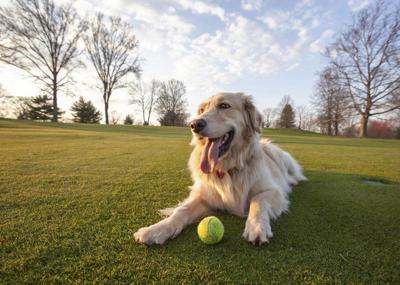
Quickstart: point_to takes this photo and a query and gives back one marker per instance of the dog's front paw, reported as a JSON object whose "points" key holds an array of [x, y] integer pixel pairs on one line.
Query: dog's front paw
{"points": [[256, 232], [155, 234]]}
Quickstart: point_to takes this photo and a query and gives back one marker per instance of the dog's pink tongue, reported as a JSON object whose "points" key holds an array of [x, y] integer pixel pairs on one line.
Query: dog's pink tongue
{"points": [[209, 157]]}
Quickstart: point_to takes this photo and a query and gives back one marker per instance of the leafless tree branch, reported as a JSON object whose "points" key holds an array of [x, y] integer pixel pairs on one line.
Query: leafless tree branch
{"points": [[41, 38], [367, 61], [112, 50]]}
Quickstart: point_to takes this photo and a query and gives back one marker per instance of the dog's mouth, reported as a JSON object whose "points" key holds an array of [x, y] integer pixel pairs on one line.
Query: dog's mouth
{"points": [[213, 150]]}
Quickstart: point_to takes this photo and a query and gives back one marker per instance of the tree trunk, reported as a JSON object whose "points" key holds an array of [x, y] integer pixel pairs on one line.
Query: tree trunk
{"points": [[329, 127], [148, 116], [364, 126], [55, 103], [336, 128], [106, 111]]}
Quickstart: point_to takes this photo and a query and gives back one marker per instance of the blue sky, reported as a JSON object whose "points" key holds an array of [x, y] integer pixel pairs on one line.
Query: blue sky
{"points": [[265, 48]]}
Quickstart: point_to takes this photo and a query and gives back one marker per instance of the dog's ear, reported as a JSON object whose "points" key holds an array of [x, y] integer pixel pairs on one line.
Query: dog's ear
{"points": [[252, 118]]}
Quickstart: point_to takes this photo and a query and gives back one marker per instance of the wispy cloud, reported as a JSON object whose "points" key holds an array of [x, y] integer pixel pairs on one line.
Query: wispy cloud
{"points": [[276, 20], [213, 44], [250, 5], [318, 46], [201, 7], [356, 5]]}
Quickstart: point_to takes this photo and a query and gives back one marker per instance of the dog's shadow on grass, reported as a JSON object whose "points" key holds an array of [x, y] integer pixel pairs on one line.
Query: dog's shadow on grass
{"points": [[337, 227], [334, 220]]}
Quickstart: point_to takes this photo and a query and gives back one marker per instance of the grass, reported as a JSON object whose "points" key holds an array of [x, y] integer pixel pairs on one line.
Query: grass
{"points": [[71, 197]]}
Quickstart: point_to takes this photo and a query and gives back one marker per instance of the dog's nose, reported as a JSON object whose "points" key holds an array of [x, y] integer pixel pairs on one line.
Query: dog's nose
{"points": [[198, 125]]}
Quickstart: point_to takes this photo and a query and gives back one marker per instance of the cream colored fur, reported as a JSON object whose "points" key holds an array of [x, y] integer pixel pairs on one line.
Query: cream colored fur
{"points": [[258, 175]]}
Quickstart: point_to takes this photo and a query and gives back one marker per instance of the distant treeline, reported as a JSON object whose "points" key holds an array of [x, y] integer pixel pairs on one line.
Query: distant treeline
{"points": [[44, 42], [360, 81]]}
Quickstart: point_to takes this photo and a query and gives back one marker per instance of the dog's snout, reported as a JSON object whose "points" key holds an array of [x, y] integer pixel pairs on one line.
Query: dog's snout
{"points": [[198, 125]]}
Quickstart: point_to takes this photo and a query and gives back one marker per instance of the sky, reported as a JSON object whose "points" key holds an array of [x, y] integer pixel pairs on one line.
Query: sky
{"points": [[267, 49]]}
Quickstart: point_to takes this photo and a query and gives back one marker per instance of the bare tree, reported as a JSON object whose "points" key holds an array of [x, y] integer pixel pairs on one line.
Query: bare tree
{"points": [[41, 38], [13, 106], [331, 101], [309, 121], [112, 48], [145, 97], [269, 115], [301, 113], [367, 59], [8, 103], [138, 92], [115, 117], [171, 103], [4, 102]]}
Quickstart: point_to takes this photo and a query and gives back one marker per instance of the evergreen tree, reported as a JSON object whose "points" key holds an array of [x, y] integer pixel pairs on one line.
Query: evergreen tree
{"points": [[128, 120], [85, 112], [287, 118], [173, 119], [39, 108]]}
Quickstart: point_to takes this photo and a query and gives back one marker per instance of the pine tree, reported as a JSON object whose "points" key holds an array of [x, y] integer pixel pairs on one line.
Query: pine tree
{"points": [[128, 120], [85, 112], [287, 118], [39, 108]]}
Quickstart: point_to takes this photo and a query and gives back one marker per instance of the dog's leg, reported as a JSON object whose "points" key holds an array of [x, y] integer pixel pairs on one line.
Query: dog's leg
{"points": [[186, 213], [263, 207]]}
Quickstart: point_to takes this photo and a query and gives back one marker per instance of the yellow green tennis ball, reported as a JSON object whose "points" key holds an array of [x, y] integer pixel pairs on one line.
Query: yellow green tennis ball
{"points": [[210, 230]]}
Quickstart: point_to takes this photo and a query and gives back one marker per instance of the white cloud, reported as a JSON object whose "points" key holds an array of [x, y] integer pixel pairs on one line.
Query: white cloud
{"points": [[356, 5], [207, 59], [318, 46], [201, 7], [271, 22], [302, 30], [305, 3], [157, 29], [217, 59], [304, 17], [241, 46], [6, 3], [294, 30], [315, 23], [293, 66], [276, 19], [250, 5]]}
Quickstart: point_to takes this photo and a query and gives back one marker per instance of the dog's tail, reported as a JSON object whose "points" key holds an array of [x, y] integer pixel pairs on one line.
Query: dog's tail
{"points": [[288, 165], [293, 167]]}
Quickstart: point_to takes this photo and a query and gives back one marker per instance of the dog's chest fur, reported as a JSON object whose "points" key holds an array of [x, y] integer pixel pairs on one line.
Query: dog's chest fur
{"points": [[232, 190]]}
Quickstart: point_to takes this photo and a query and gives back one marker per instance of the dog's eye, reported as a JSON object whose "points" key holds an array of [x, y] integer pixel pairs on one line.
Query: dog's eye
{"points": [[224, 106], [201, 110]]}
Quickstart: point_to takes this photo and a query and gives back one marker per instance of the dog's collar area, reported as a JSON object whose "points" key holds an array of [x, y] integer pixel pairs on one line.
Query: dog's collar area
{"points": [[220, 174]]}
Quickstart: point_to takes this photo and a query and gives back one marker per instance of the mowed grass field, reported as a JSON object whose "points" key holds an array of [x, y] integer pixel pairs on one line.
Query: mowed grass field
{"points": [[71, 197]]}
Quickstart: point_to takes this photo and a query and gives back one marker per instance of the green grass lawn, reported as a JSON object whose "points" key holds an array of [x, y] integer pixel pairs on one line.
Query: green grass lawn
{"points": [[71, 197]]}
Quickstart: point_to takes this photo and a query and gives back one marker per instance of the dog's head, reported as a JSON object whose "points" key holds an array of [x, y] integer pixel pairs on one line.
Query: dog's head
{"points": [[224, 121]]}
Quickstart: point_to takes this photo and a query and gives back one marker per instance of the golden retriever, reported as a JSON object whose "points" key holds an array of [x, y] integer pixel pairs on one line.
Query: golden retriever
{"points": [[232, 170]]}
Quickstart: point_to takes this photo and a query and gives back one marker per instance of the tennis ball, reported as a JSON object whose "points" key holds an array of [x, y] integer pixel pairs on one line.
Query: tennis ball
{"points": [[210, 230]]}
